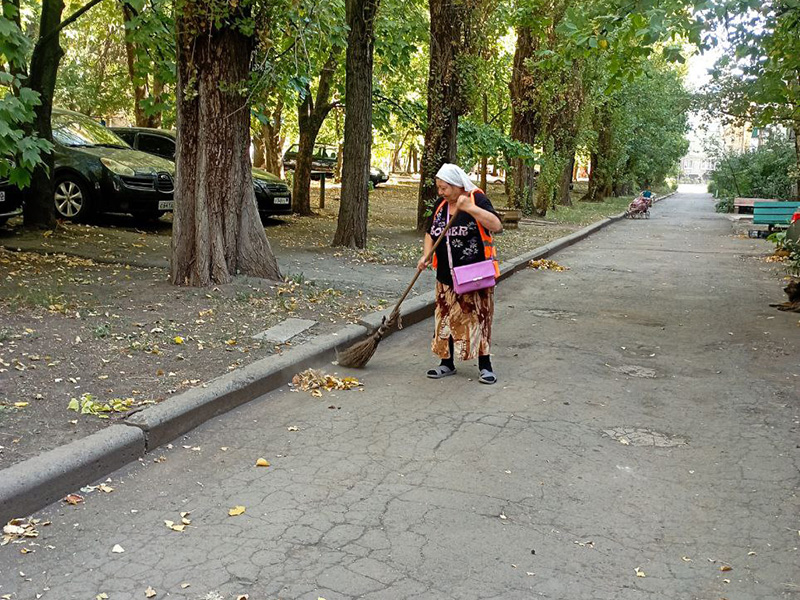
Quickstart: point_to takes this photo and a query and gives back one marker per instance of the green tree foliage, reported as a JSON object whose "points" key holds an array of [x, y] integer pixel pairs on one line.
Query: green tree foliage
{"points": [[761, 173], [20, 152], [93, 80], [758, 78]]}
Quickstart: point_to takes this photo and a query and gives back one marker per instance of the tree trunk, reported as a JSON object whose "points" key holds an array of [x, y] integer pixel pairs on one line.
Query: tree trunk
{"points": [[259, 148], [398, 147], [273, 140], [217, 232], [444, 101], [485, 160], [39, 211], [301, 194], [140, 83], [796, 184], [524, 121], [351, 228], [154, 120], [564, 197], [311, 115], [600, 176]]}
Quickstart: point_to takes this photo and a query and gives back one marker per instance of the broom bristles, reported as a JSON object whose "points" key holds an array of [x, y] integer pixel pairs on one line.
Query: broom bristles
{"points": [[359, 354]]}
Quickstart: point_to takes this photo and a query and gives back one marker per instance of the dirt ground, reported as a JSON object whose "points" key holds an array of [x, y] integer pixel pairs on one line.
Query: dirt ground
{"points": [[88, 319]]}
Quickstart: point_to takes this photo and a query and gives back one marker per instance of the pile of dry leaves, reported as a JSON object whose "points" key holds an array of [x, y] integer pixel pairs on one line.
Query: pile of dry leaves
{"points": [[545, 264], [314, 382]]}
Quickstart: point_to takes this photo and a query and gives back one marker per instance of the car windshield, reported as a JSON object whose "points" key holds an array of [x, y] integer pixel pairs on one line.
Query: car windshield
{"points": [[77, 130]]}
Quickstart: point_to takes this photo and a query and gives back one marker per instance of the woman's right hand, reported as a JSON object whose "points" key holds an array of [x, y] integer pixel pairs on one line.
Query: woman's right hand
{"points": [[423, 264]]}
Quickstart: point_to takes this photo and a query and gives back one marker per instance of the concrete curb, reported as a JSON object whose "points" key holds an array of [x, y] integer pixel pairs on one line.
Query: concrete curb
{"points": [[168, 420], [33, 484]]}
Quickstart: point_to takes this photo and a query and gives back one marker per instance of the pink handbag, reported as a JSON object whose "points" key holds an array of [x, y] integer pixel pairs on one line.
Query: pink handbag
{"points": [[472, 277]]}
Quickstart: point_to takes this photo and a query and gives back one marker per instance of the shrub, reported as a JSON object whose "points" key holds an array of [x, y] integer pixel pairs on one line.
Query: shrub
{"points": [[724, 205], [762, 173]]}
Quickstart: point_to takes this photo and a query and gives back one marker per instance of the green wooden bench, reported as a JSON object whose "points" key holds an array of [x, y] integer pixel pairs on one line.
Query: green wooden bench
{"points": [[774, 214]]}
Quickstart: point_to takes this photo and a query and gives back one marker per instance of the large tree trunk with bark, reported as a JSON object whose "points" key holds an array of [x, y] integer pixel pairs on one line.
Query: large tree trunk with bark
{"points": [[39, 210], [524, 120], [351, 228], [311, 115], [445, 102], [217, 232]]}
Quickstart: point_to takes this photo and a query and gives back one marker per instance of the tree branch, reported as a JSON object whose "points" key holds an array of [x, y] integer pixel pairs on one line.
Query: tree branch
{"points": [[68, 21]]}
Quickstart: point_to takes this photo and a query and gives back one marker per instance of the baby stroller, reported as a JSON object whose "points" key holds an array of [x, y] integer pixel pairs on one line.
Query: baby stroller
{"points": [[640, 207]]}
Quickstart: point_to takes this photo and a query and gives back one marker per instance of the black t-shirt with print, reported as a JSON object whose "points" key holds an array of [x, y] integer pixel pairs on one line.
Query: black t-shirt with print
{"points": [[465, 239]]}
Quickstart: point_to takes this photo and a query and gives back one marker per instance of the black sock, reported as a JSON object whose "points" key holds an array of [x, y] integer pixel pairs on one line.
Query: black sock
{"points": [[485, 362], [449, 362]]}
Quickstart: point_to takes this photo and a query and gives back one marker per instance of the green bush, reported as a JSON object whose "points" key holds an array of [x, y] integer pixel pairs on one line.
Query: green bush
{"points": [[724, 205], [761, 173]]}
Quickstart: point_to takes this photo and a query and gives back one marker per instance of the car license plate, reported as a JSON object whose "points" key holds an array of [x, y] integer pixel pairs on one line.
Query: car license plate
{"points": [[282, 200], [166, 204]]}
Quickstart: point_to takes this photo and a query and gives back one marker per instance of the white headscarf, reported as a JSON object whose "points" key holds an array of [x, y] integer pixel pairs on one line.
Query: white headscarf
{"points": [[455, 175]]}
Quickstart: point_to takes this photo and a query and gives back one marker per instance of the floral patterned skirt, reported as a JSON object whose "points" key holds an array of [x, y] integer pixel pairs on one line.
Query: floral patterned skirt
{"points": [[466, 317]]}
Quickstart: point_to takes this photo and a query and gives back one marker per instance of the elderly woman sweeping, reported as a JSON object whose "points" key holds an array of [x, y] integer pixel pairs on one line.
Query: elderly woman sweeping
{"points": [[466, 267]]}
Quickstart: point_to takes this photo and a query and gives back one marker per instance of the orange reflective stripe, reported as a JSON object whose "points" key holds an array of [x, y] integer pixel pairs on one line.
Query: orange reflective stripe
{"points": [[489, 251]]}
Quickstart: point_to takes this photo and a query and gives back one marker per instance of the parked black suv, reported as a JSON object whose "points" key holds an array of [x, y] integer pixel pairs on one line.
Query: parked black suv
{"points": [[324, 159], [272, 195], [10, 201], [96, 171]]}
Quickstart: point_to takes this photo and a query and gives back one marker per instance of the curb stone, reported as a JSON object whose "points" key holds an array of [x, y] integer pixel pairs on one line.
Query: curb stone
{"points": [[30, 485], [182, 413], [33, 484]]}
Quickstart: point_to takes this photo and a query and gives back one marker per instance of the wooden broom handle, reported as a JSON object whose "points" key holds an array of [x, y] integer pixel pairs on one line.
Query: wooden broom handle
{"points": [[414, 280]]}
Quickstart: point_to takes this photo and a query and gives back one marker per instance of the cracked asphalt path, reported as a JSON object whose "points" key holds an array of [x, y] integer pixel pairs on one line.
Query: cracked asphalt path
{"points": [[646, 418]]}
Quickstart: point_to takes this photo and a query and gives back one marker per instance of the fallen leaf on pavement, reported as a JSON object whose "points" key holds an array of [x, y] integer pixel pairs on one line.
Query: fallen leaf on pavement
{"points": [[262, 462], [236, 511], [105, 488], [173, 526], [726, 568], [292, 428], [117, 549], [150, 592], [185, 585], [639, 572], [101, 596], [686, 559], [20, 528], [73, 499]]}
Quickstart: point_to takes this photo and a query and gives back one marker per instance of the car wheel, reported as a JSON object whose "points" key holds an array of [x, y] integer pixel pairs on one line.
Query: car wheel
{"points": [[71, 198]]}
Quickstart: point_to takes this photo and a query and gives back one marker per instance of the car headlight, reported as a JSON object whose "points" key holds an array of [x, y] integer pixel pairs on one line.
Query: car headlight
{"points": [[117, 167]]}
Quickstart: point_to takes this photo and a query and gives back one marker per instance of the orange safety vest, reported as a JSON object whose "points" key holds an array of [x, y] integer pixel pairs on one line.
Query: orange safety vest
{"points": [[489, 251]]}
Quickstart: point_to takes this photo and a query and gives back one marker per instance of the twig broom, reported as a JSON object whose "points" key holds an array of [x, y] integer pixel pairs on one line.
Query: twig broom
{"points": [[359, 354]]}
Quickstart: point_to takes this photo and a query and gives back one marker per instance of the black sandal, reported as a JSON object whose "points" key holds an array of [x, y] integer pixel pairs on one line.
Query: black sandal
{"points": [[440, 372]]}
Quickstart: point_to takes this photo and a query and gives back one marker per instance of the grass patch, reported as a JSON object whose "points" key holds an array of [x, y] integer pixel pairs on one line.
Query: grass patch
{"points": [[586, 213]]}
